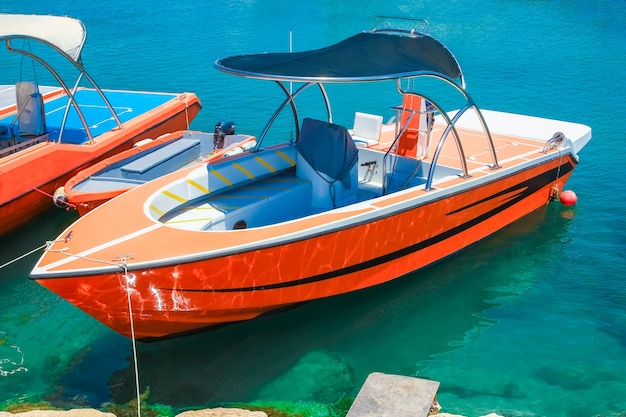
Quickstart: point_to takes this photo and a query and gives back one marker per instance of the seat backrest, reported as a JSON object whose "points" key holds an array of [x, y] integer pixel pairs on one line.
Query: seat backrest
{"points": [[327, 156], [413, 140], [367, 127], [328, 148], [30, 112]]}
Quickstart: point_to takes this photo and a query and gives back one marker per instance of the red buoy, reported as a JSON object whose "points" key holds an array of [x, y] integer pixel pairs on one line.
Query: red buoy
{"points": [[568, 198]]}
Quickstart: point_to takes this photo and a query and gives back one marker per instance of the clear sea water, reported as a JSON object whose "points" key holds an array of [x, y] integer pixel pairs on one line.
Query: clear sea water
{"points": [[531, 322]]}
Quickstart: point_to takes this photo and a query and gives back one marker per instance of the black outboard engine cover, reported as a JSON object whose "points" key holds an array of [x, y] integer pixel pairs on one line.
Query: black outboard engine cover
{"points": [[228, 128], [221, 130]]}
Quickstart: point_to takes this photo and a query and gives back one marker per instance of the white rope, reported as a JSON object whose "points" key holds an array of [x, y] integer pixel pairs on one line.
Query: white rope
{"points": [[23, 256], [554, 143], [554, 192], [186, 110], [133, 340], [121, 264]]}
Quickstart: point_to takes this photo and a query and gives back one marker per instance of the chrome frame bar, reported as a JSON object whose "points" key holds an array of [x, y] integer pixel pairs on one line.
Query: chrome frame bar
{"points": [[70, 93], [290, 99]]}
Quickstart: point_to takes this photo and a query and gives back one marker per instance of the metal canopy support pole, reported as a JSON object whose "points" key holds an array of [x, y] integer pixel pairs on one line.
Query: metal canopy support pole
{"points": [[68, 92]]}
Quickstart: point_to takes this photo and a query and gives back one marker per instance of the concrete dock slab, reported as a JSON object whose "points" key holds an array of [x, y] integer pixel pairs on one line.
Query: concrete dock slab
{"points": [[384, 395]]}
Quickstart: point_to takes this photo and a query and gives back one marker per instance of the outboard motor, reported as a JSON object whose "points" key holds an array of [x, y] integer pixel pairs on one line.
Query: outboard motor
{"points": [[221, 130], [228, 128]]}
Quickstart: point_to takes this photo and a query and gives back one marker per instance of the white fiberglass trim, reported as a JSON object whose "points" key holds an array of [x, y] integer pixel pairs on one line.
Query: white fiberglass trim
{"points": [[85, 254]]}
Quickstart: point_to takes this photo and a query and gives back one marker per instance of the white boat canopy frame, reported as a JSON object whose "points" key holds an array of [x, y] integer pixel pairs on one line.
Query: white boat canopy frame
{"points": [[66, 36], [373, 55]]}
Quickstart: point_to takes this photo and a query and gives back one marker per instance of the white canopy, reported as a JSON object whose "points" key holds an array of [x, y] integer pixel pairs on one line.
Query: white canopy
{"points": [[65, 33]]}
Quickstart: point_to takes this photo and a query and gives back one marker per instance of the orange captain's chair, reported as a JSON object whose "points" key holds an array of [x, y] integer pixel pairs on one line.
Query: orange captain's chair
{"points": [[414, 140]]}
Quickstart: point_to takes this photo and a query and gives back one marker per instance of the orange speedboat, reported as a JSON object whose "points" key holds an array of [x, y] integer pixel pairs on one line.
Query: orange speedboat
{"points": [[49, 133], [145, 161], [335, 210]]}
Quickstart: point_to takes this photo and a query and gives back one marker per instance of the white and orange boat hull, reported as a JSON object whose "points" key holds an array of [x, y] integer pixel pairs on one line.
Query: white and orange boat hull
{"points": [[168, 298]]}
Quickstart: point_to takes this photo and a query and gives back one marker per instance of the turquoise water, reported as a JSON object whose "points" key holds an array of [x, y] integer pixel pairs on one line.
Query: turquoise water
{"points": [[532, 322]]}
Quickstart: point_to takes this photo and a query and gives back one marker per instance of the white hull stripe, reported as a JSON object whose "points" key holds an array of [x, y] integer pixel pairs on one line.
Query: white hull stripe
{"points": [[85, 254]]}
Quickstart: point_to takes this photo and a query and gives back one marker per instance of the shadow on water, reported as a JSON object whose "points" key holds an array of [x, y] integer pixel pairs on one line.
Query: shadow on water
{"points": [[324, 350], [49, 350], [29, 339], [27, 238]]}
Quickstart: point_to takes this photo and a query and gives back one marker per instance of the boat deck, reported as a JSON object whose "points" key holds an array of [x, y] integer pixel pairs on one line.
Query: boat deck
{"points": [[263, 202], [126, 104], [141, 168], [8, 100], [509, 148], [259, 203]]}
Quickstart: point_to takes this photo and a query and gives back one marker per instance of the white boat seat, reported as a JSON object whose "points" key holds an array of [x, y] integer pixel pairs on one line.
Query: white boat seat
{"points": [[366, 130]]}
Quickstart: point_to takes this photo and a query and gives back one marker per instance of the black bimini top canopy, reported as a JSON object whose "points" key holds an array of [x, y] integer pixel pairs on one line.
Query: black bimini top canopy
{"points": [[367, 56]]}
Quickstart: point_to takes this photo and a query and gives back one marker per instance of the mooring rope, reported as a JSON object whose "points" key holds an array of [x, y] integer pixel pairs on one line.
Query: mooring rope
{"points": [[184, 97], [23, 256], [558, 138], [132, 334], [122, 264], [39, 190], [554, 143]]}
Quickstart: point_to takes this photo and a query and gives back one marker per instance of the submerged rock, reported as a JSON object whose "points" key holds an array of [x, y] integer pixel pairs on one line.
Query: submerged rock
{"points": [[87, 412], [320, 376], [212, 412], [223, 412]]}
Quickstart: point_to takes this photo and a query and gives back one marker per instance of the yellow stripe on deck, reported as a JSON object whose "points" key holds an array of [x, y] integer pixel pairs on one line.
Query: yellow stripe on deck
{"points": [[174, 196], [156, 210], [226, 208], [220, 176], [286, 158], [245, 171], [198, 186], [199, 219], [265, 164]]}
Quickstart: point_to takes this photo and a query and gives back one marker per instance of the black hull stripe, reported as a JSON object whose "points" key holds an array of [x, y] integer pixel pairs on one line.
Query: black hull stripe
{"points": [[521, 191]]}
